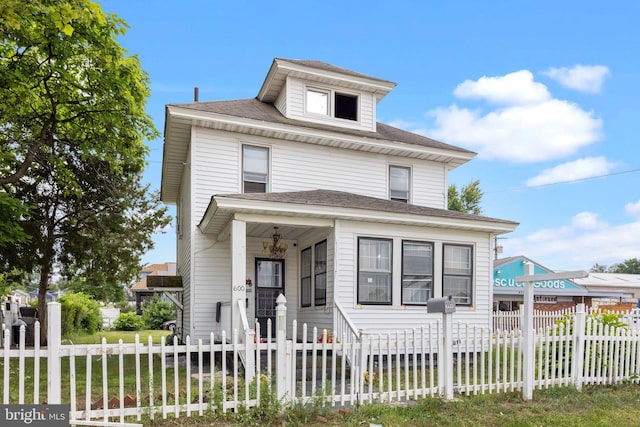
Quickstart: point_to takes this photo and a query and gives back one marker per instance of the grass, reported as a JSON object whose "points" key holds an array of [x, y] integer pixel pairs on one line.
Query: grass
{"points": [[113, 337], [595, 406], [112, 371]]}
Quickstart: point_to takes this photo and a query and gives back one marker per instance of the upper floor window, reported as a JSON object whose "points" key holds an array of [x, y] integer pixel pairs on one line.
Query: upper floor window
{"points": [[457, 279], [331, 103], [417, 272], [399, 183], [255, 169], [374, 271]]}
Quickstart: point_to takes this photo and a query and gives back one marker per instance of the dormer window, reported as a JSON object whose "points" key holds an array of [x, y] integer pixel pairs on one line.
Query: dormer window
{"points": [[332, 104]]}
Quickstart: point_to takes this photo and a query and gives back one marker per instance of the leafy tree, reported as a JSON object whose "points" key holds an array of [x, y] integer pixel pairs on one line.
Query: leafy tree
{"points": [[105, 291], [72, 150], [4, 287], [466, 200], [598, 268], [629, 266]]}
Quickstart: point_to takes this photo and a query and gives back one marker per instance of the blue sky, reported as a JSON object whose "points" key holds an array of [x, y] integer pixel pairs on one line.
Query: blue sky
{"points": [[544, 91]]}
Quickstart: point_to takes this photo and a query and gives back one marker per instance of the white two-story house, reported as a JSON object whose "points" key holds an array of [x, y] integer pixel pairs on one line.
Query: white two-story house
{"points": [[300, 191]]}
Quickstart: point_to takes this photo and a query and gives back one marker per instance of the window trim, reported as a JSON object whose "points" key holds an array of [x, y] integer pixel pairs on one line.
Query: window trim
{"points": [[331, 103], [432, 244], [409, 182], [390, 302], [310, 277], [242, 172], [316, 274], [470, 275]]}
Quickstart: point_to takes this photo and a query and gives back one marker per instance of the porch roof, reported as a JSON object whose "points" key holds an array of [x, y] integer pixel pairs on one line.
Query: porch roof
{"points": [[333, 205]]}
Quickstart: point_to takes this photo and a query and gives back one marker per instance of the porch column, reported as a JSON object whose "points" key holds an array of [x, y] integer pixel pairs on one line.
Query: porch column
{"points": [[238, 271]]}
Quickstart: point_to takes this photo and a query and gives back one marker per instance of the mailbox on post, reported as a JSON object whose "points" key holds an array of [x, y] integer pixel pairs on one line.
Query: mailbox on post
{"points": [[441, 305], [447, 307]]}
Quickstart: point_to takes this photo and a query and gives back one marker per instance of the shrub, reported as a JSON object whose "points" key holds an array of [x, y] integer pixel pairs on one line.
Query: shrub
{"points": [[126, 306], [128, 322], [157, 312], [80, 312]]}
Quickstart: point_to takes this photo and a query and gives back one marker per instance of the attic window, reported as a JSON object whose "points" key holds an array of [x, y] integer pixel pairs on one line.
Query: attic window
{"points": [[332, 104], [346, 106], [317, 102]]}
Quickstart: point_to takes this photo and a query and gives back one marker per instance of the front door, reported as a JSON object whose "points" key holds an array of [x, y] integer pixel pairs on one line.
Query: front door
{"points": [[269, 284]]}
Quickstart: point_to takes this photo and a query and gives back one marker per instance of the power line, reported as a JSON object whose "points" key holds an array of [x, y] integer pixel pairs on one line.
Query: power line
{"points": [[565, 182]]}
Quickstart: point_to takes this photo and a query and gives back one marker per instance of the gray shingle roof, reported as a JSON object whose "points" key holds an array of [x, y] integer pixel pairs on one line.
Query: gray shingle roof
{"points": [[256, 110], [339, 199], [328, 67]]}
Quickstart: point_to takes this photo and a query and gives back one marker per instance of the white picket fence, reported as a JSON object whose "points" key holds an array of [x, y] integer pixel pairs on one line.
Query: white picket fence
{"points": [[542, 319], [119, 384]]}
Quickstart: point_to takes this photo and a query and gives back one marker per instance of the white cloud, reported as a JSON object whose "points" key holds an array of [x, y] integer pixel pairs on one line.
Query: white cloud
{"points": [[584, 78], [587, 167], [512, 89], [541, 131], [586, 221], [633, 209], [582, 243]]}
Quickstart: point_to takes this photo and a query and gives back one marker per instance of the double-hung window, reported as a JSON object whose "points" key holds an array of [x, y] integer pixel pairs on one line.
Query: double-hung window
{"points": [[305, 277], [255, 169], [417, 272], [332, 104], [374, 270], [399, 183], [457, 279], [320, 273]]}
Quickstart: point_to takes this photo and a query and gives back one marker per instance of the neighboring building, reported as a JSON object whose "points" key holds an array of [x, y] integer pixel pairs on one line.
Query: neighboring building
{"points": [[20, 296], [142, 293], [301, 191], [548, 295], [50, 296], [626, 285]]}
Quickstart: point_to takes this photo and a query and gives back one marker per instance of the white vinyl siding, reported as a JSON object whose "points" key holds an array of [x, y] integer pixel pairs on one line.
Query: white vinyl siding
{"points": [[301, 167], [281, 103]]}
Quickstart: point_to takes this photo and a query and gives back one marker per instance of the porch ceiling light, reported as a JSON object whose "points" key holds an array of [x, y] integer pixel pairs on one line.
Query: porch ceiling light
{"points": [[276, 248]]}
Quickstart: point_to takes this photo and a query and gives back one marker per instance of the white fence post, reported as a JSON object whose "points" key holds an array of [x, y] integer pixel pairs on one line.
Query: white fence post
{"points": [[577, 358], [250, 354], [283, 374], [54, 340], [447, 329], [528, 337]]}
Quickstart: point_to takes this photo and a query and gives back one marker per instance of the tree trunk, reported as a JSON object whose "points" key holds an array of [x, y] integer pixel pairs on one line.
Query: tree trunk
{"points": [[42, 303]]}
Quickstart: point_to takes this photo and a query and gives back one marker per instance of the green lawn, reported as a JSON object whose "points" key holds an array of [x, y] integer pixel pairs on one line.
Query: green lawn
{"points": [[600, 406], [113, 337], [112, 371]]}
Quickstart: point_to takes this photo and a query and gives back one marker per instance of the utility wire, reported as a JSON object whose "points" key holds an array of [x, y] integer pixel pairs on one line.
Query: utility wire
{"points": [[564, 182]]}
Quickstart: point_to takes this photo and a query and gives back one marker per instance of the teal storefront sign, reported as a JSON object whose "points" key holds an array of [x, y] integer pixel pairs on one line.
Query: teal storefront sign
{"points": [[504, 277]]}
